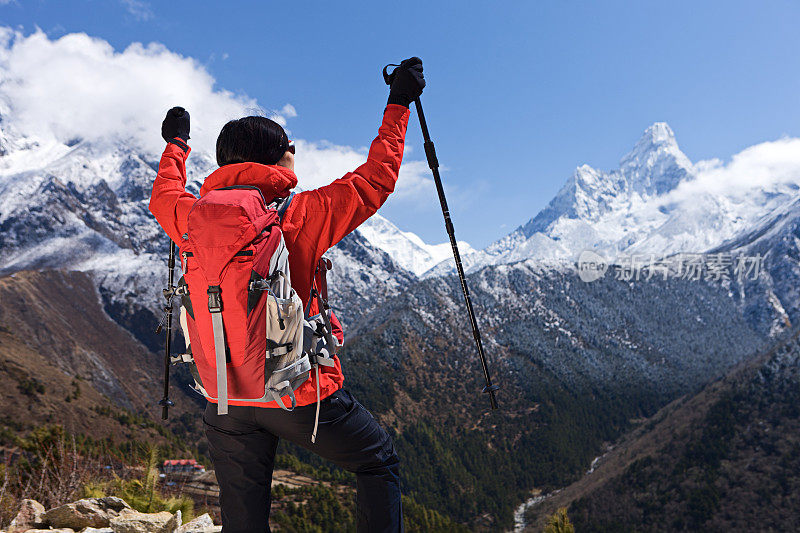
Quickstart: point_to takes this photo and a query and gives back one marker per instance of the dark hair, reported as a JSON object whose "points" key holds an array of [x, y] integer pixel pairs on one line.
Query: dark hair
{"points": [[251, 139]]}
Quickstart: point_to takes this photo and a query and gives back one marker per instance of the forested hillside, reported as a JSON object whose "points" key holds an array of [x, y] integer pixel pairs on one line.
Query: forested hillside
{"points": [[725, 459]]}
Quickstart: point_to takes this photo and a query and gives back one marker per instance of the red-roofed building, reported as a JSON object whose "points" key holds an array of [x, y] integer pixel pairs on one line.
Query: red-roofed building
{"points": [[181, 466]]}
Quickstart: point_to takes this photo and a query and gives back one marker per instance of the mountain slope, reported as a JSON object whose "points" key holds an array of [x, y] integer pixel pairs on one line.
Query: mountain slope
{"points": [[64, 361], [725, 459], [575, 361], [775, 245]]}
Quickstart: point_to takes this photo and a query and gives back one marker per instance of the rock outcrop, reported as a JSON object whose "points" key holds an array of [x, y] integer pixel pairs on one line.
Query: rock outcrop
{"points": [[103, 515], [136, 522], [29, 517], [89, 512], [201, 524]]}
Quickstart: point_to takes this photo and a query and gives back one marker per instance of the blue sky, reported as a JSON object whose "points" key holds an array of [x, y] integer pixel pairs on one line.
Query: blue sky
{"points": [[519, 93]]}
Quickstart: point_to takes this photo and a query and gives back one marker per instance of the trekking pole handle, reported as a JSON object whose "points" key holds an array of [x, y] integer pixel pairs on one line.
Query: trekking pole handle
{"points": [[388, 77]]}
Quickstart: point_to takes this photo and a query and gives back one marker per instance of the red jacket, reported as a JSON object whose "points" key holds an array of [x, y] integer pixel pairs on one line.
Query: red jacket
{"points": [[314, 222]]}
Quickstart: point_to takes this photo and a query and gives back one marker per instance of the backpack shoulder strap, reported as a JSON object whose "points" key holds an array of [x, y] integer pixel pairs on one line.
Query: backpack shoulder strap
{"points": [[283, 205], [221, 360]]}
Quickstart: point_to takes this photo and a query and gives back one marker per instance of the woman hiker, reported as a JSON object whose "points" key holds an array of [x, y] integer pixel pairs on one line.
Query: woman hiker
{"points": [[256, 151]]}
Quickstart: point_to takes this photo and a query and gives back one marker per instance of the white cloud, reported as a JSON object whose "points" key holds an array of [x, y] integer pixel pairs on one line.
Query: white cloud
{"points": [[78, 86], [139, 9], [415, 179], [319, 163], [288, 111], [766, 167]]}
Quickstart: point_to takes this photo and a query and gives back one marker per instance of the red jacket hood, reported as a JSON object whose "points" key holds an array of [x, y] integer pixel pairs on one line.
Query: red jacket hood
{"points": [[274, 181]]}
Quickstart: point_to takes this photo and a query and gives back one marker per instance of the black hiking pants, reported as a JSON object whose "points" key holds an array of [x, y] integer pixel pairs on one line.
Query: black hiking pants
{"points": [[243, 444]]}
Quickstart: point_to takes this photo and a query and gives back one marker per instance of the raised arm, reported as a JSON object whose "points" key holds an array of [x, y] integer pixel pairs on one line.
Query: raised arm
{"points": [[170, 203], [322, 217]]}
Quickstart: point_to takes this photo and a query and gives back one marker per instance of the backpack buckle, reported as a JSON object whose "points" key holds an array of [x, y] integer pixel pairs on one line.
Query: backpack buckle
{"points": [[214, 299], [258, 285]]}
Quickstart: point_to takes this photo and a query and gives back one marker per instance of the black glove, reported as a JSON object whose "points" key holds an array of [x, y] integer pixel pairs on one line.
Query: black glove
{"points": [[176, 126], [407, 82]]}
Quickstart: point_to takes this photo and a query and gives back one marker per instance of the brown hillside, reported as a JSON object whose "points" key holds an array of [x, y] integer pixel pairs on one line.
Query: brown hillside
{"points": [[64, 361]]}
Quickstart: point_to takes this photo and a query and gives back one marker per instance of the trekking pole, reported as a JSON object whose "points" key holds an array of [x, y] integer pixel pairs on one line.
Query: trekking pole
{"points": [[433, 163], [168, 293]]}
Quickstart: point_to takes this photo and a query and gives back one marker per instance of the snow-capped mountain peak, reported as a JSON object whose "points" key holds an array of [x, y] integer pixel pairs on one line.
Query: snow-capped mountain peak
{"points": [[407, 249], [643, 207], [659, 134], [656, 164]]}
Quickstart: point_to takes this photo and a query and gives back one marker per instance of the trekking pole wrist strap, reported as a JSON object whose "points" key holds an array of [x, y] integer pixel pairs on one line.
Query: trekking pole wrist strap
{"points": [[180, 143]]}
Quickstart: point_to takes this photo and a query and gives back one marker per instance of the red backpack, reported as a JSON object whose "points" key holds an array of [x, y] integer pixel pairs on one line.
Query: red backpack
{"points": [[249, 336]]}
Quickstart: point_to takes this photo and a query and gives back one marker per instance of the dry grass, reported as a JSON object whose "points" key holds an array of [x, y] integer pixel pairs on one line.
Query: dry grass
{"points": [[50, 471]]}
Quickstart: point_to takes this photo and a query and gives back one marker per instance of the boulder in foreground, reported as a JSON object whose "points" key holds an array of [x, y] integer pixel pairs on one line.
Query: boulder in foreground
{"points": [[29, 517], [136, 522], [201, 524], [89, 512]]}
